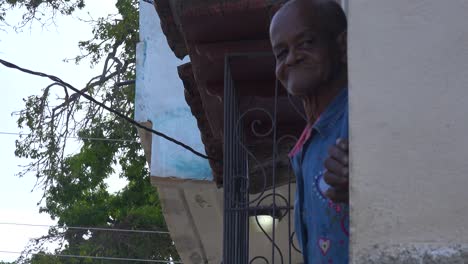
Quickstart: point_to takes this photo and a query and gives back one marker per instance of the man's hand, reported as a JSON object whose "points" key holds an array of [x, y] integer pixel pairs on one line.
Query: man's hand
{"points": [[337, 171]]}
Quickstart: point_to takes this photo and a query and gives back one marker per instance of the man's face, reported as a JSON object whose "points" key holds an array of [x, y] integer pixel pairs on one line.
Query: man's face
{"points": [[305, 58]]}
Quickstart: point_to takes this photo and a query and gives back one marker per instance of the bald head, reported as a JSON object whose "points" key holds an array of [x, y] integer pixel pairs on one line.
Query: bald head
{"points": [[326, 14]]}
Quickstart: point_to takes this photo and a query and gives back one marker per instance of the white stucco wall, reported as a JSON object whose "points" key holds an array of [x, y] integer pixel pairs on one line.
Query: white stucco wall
{"points": [[408, 66], [160, 99]]}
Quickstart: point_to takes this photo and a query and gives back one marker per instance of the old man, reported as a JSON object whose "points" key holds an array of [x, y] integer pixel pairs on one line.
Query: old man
{"points": [[309, 42]]}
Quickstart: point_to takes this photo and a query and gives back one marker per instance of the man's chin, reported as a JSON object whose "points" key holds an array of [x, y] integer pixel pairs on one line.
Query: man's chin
{"points": [[300, 91], [306, 87]]}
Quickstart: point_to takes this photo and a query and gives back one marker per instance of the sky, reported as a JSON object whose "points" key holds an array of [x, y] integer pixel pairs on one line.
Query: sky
{"points": [[41, 49]]}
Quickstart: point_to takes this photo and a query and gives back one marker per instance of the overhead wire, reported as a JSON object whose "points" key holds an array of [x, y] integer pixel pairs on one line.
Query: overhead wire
{"points": [[89, 228], [95, 257], [117, 113]]}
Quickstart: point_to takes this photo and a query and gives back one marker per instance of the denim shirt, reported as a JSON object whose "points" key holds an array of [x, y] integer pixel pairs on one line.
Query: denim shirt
{"points": [[321, 225]]}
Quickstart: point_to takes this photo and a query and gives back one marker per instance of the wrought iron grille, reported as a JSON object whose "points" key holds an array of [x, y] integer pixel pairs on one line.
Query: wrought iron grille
{"points": [[236, 230], [241, 165]]}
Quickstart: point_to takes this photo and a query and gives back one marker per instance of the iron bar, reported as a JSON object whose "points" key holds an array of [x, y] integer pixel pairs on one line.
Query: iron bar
{"points": [[238, 205]]}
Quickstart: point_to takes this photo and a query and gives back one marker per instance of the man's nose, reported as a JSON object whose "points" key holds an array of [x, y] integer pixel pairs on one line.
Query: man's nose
{"points": [[293, 57]]}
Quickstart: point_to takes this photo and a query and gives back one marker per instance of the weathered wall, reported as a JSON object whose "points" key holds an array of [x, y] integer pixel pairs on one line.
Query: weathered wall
{"points": [[194, 216], [408, 125], [160, 99]]}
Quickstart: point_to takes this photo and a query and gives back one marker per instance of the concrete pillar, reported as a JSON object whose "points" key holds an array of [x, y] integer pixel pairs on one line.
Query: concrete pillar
{"points": [[408, 66]]}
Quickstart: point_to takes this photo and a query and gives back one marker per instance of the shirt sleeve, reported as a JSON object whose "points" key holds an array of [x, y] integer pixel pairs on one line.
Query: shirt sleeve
{"points": [[298, 220], [298, 225], [345, 127]]}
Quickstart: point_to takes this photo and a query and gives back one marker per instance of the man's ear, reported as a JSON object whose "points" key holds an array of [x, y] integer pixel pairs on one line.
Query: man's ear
{"points": [[342, 42]]}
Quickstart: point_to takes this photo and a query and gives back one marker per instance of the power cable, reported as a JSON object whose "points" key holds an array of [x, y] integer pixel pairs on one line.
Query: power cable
{"points": [[90, 98], [95, 257], [92, 228]]}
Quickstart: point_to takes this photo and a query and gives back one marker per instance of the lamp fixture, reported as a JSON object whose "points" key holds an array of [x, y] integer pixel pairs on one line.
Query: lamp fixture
{"points": [[265, 217]]}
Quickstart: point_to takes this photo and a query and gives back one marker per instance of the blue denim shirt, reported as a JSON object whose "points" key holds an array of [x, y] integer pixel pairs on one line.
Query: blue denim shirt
{"points": [[321, 225]]}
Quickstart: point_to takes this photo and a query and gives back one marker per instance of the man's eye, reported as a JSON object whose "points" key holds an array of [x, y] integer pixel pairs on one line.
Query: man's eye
{"points": [[281, 54], [308, 43]]}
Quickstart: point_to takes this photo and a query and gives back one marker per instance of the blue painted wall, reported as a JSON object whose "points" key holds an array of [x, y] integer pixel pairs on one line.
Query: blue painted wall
{"points": [[160, 99]]}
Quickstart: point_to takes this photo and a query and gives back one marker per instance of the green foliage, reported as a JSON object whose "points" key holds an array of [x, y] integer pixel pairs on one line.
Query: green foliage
{"points": [[40, 259], [36, 9], [73, 184]]}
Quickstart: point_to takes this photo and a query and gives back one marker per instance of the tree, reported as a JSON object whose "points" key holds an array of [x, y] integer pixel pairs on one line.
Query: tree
{"points": [[74, 191], [41, 11]]}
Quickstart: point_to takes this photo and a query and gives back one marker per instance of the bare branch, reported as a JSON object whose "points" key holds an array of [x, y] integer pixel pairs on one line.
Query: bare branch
{"points": [[125, 83]]}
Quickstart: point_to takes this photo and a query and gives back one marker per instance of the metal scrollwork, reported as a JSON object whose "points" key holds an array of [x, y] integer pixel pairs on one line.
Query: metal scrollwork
{"points": [[248, 152], [239, 157], [261, 258], [273, 207], [291, 242]]}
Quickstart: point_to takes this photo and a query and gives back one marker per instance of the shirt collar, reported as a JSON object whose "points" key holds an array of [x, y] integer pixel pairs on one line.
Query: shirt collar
{"points": [[328, 118], [332, 113], [301, 141]]}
